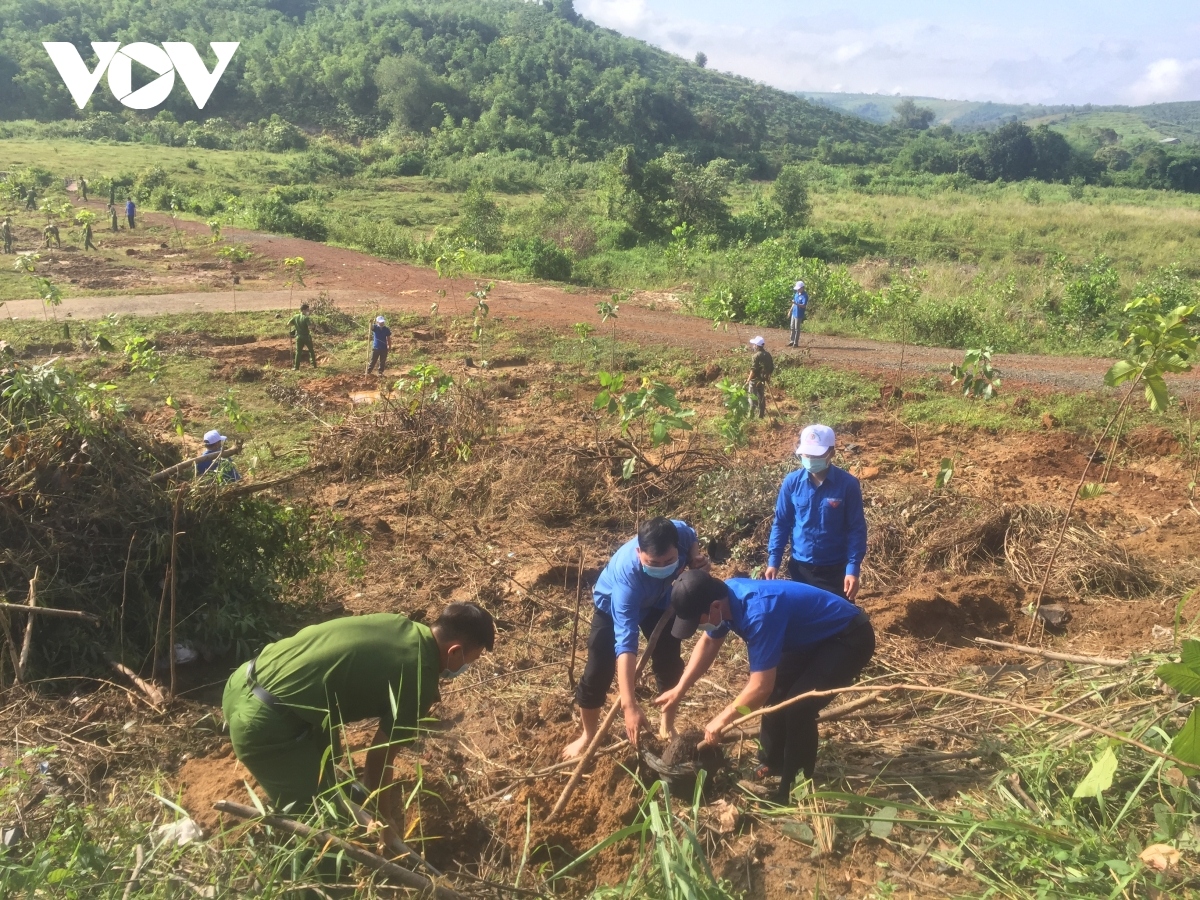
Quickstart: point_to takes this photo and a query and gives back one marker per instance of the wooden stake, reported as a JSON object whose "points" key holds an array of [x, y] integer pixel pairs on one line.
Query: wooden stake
{"points": [[667, 617], [124, 592], [575, 624], [27, 644], [174, 569], [162, 606], [1050, 654], [400, 875], [49, 611]]}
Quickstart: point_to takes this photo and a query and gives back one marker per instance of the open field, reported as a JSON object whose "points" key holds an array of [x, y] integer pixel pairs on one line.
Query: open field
{"points": [[523, 482]]}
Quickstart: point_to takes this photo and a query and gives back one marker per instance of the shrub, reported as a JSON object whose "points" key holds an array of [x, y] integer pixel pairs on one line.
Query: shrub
{"points": [[539, 258], [271, 213]]}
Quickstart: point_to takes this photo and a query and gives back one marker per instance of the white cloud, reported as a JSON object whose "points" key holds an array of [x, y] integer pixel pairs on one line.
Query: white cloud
{"points": [[1167, 79], [1015, 63]]}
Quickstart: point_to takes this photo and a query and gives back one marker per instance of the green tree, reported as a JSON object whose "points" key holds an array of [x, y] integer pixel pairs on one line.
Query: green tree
{"points": [[912, 117], [1009, 152], [790, 195], [416, 97], [479, 221]]}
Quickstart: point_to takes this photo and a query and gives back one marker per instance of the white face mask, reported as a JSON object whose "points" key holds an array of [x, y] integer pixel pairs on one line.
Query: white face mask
{"points": [[454, 673]]}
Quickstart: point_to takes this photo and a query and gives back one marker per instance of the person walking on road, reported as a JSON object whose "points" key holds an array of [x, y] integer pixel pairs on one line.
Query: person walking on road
{"points": [[285, 705], [820, 509], [130, 212], [799, 311], [83, 189], [798, 639], [634, 592], [300, 324], [762, 367], [381, 343]]}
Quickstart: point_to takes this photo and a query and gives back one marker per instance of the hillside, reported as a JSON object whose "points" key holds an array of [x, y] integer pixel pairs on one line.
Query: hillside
{"points": [[1159, 121], [500, 75]]}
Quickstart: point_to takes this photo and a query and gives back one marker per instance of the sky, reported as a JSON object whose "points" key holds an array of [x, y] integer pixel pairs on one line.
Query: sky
{"points": [[1016, 51]]}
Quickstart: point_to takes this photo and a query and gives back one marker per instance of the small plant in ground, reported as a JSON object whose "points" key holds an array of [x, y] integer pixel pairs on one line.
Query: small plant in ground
{"points": [[583, 331], [653, 408], [1184, 676], [294, 270], [976, 374], [44, 289], [426, 383], [481, 313], [231, 409], [945, 473], [723, 311], [143, 357], [608, 309], [732, 426], [234, 253], [177, 421], [214, 229]]}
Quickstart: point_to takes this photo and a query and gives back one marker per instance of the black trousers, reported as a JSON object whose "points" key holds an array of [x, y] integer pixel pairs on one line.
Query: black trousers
{"points": [[377, 356], [827, 578], [788, 738], [601, 665]]}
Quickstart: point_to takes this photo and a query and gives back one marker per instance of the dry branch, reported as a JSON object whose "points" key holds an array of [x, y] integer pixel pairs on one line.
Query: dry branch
{"points": [[419, 883], [27, 644], [48, 611], [153, 694], [1063, 657], [179, 467]]}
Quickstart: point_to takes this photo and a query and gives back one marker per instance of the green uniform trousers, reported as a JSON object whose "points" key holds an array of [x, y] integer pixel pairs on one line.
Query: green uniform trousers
{"points": [[290, 758], [301, 345]]}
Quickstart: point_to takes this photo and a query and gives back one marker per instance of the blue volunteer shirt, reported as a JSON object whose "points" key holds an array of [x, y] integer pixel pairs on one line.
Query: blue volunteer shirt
{"points": [[379, 336], [826, 523], [799, 304], [777, 617], [224, 469], [130, 208], [626, 593]]}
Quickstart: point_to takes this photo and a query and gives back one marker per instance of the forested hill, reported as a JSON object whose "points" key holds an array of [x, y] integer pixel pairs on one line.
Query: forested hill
{"points": [[484, 74]]}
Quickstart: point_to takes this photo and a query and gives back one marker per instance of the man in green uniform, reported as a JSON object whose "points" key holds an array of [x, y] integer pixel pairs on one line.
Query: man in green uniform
{"points": [[83, 189], [50, 233], [31, 199], [6, 230], [300, 331], [87, 236], [762, 366], [283, 706]]}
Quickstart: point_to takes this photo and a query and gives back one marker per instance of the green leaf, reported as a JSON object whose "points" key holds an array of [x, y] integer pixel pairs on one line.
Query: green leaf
{"points": [[744, 710], [627, 468], [1191, 654], [1120, 372], [1156, 392], [945, 473], [798, 831], [57, 875], [882, 822], [1100, 778], [1186, 745], [1091, 491], [1183, 678]]}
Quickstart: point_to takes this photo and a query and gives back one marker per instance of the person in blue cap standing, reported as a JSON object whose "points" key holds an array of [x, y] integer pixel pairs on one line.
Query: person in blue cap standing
{"points": [[634, 592], [798, 639], [381, 343], [799, 311], [212, 461], [820, 509]]}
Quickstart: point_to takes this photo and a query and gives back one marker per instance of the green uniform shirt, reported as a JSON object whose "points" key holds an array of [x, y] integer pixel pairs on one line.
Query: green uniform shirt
{"points": [[761, 366], [355, 668], [299, 324]]}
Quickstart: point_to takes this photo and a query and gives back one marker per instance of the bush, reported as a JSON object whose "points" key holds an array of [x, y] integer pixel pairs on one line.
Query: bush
{"points": [[271, 213], [538, 258]]}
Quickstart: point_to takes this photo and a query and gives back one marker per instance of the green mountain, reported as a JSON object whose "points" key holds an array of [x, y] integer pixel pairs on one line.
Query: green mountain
{"points": [[474, 75], [1158, 122]]}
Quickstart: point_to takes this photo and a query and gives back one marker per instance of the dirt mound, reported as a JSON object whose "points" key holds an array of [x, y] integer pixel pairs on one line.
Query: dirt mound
{"points": [[954, 611], [438, 822], [204, 781], [685, 750]]}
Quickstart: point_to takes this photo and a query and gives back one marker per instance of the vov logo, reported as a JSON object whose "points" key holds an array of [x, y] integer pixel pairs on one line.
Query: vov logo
{"points": [[171, 58]]}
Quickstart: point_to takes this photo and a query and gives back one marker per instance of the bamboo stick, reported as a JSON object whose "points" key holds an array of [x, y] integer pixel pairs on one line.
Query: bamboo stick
{"points": [[1052, 654], [27, 644]]}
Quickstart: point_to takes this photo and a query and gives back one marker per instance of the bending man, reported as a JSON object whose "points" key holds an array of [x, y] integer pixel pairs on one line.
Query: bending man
{"points": [[283, 706], [798, 639], [634, 591]]}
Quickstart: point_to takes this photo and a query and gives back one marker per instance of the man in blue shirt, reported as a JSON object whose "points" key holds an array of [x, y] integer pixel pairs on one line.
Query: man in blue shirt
{"points": [[634, 591], [130, 211], [798, 639], [222, 468], [799, 311], [820, 507], [381, 343]]}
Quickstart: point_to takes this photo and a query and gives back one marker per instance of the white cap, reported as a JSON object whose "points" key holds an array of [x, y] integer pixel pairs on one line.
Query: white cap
{"points": [[380, 320], [816, 440], [799, 285], [214, 437], [758, 341]]}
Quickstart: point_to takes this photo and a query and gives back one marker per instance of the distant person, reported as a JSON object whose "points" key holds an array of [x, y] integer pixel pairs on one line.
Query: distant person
{"points": [[83, 189], [634, 592], [285, 705], [6, 231], [114, 223], [221, 467], [130, 212], [50, 233], [87, 237], [799, 311], [762, 367], [820, 509], [31, 199], [798, 639], [381, 343], [300, 324]]}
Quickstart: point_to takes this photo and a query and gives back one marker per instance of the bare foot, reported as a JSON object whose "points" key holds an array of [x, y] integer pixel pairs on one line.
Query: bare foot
{"points": [[576, 746]]}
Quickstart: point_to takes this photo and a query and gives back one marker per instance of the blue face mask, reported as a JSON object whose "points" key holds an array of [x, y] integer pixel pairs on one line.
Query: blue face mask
{"points": [[814, 464], [660, 571]]}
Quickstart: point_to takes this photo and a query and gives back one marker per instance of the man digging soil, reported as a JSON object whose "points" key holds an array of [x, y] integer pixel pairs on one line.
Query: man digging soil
{"points": [[284, 706], [634, 591], [798, 639]]}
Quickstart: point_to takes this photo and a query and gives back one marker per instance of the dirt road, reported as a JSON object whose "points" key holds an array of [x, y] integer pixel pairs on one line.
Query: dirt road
{"points": [[357, 280]]}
